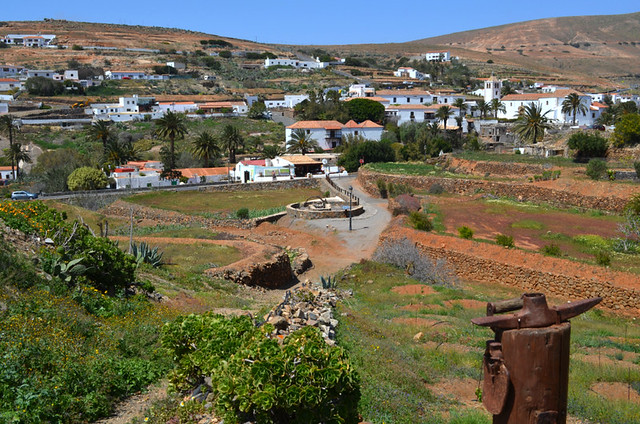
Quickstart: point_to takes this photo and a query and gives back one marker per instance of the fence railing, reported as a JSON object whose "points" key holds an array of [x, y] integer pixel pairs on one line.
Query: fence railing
{"points": [[354, 199]]}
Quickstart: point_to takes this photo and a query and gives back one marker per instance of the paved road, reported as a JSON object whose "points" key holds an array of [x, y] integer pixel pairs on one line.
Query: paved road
{"points": [[366, 228]]}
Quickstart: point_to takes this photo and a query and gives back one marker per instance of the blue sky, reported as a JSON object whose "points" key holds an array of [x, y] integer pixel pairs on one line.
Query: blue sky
{"points": [[314, 21]]}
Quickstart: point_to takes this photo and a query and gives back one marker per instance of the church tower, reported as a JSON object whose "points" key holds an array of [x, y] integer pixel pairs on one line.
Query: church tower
{"points": [[492, 88]]}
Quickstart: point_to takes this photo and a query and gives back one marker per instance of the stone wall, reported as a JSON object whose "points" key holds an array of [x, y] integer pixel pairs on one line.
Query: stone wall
{"points": [[521, 191], [463, 166], [487, 263], [268, 268], [271, 185], [294, 211]]}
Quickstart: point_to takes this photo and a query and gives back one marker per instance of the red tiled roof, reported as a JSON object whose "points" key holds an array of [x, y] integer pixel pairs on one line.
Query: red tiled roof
{"points": [[5, 168], [8, 80], [327, 125], [599, 105], [259, 162], [375, 99], [203, 172]]}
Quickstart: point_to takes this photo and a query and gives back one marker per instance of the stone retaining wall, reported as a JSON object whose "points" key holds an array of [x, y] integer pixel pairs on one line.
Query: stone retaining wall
{"points": [[481, 266], [271, 185], [463, 166], [521, 191]]}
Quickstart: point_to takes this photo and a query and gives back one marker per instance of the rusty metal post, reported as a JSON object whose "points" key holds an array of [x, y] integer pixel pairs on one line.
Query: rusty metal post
{"points": [[526, 367]]}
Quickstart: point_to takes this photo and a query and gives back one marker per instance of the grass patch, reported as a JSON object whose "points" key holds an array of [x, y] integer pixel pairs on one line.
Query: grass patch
{"points": [[529, 224], [195, 258], [211, 204], [408, 168]]}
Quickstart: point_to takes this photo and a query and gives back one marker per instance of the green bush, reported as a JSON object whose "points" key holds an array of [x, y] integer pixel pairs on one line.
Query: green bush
{"points": [[588, 145], [370, 151], [636, 166], [382, 188], [603, 258], [627, 130], [255, 378], [551, 250], [504, 240], [87, 178], [420, 221], [242, 213], [436, 189], [465, 232], [596, 169]]}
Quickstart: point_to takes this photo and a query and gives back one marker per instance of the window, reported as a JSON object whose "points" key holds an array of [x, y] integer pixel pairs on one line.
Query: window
{"points": [[408, 99], [421, 100], [394, 100], [355, 133], [308, 131]]}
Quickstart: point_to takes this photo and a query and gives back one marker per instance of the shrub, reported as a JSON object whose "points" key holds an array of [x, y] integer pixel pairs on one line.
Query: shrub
{"points": [[382, 188], [596, 168], [420, 221], [551, 250], [627, 130], [504, 240], [436, 189], [87, 178], [633, 205], [255, 378], [465, 232], [603, 258], [370, 151], [395, 190], [636, 166], [588, 145], [404, 254], [242, 213]]}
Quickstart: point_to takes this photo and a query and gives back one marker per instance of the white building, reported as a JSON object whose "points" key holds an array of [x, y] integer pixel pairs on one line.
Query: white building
{"points": [[6, 173], [420, 113], [406, 97], [71, 75], [289, 101], [32, 73], [438, 56], [223, 108], [10, 70], [329, 134], [29, 40], [551, 106], [179, 107], [8, 84], [134, 75], [177, 65], [405, 72], [295, 63], [361, 90], [132, 108]]}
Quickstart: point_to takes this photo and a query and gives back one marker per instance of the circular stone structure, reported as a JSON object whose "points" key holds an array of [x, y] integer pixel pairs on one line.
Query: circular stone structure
{"points": [[319, 207]]}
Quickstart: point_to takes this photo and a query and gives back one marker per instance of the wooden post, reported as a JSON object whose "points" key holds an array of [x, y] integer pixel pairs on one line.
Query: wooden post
{"points": [[538, 363]]}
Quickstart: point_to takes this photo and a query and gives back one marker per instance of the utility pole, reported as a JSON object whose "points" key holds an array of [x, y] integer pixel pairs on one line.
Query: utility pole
{"points": [[350, 213]]}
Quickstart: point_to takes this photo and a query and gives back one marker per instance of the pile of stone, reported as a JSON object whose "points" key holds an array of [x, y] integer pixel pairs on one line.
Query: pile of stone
{"points": [[306, 306]]}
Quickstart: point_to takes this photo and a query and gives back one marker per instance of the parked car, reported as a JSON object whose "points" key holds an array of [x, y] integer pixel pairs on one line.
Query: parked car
{"points": [[23, 195]]}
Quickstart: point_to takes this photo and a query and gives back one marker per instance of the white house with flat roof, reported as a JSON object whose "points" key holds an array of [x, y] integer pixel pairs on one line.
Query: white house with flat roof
{"points": [[8, 84], [134, 75], [406, 97], [10, 70], [179, 107], [406, 72], [437, 56], [45, 73], [295, 63], [361, 90], [4, 108], [29, 40], [131, 108], [289, 101], [177, 65]]}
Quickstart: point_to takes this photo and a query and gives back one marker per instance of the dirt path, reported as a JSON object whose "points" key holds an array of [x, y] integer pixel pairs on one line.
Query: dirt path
{"points": [[135, 406]]}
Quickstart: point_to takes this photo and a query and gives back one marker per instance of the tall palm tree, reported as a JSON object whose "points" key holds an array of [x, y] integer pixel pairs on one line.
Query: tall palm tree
{"points": [[301, 142], [461, 105], [497, 106], [18, 155], [483, 107], [531, 123], [7, 126], [444, 113], [100, 131], [573, 104], [172, 126], [206, 147], [231, 140]]}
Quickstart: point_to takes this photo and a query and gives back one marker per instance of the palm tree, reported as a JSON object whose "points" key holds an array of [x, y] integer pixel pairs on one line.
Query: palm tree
{"points": [[206, 147], [483, 107], [100, 131], [7, 126], [497, 106], [18, 155], [172, 126], [573, 104], [120, 151], [444, 113], [531, 123], [231, 140], [461, 105], [301, 142]]}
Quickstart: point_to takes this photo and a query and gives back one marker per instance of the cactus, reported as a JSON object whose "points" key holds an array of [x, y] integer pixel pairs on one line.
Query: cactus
{"points": [[327, 283]]}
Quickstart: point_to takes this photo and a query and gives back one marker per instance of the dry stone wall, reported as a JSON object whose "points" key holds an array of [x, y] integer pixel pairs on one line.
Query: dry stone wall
{"points": [[463, 166], [487, 264], [521, 191]]}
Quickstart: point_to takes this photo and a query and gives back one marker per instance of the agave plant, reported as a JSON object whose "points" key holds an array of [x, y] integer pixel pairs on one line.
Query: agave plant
{"points": [[327, 283], [145, 254]]}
